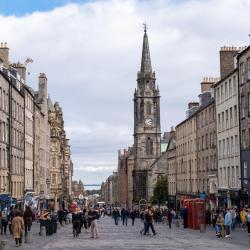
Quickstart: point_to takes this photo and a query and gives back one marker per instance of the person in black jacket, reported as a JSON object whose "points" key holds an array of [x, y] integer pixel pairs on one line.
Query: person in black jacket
{"points": [[76, 220]]}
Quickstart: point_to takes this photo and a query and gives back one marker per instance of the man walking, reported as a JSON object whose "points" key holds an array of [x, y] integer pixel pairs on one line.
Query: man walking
{"points": [[93, 217]]}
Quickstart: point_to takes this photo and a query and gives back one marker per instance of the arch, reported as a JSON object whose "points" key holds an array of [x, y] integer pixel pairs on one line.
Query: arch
{"points": [[149, 146], [148, 108]]}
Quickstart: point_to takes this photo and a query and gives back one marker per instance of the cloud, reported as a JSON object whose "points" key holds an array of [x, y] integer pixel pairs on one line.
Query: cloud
{"points": [[91, 55]]}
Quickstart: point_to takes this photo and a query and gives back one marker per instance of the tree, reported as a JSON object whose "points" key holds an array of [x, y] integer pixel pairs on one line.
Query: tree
{"points": [[160, 191]]}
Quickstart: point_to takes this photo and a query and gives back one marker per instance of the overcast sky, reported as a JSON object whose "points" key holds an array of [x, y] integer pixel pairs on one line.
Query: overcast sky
{"points": [[91, 52]]}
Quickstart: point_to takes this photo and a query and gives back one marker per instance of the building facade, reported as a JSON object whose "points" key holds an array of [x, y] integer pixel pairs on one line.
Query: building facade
{"points": [[243, 62]]}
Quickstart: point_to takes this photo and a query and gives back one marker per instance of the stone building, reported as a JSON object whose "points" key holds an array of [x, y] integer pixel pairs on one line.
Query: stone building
{"points": [[77, 189], [4, 127], [147, 128], [229, 185], [29, 138], [186, 158], [171, 169], [206, 144], [42, 134], [243, 62], [60, 156], [12, 129]]}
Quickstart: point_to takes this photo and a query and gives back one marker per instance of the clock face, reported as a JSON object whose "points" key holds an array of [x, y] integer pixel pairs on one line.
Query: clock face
{"points": [[149, 122]]}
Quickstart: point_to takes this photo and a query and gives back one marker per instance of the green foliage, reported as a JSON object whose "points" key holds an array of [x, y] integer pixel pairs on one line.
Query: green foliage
{"points": [[160, 191]]}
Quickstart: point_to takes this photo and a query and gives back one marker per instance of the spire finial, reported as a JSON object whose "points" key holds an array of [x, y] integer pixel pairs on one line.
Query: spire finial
{"points": [[145, 27]]}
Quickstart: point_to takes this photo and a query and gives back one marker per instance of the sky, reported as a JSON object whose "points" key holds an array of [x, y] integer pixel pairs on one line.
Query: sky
{"points": [[91, 52]]}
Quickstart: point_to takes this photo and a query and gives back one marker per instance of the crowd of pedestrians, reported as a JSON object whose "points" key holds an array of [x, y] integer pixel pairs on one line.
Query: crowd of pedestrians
{"points": [[17, 221]]}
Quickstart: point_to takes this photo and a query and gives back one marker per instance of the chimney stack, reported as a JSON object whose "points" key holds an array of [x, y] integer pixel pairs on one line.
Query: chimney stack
{"points": [[4, 54], [43, 85], [207, 83], [21, 69], [227, 64]]}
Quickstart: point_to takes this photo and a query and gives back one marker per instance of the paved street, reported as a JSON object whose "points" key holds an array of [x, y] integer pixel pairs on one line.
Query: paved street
{"points": [[121, 237]]}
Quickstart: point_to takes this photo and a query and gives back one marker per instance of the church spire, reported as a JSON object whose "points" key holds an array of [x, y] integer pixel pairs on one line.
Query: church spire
{"points": [[145, 59]]}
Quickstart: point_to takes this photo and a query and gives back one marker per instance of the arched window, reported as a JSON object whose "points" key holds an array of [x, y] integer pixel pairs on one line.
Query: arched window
{"points": [[148, 108], [149, 146], [53, 132]]}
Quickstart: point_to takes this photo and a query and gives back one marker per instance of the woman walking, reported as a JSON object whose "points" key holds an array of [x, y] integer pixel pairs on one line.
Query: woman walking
{"points": [[17, 228], [27, 217]]}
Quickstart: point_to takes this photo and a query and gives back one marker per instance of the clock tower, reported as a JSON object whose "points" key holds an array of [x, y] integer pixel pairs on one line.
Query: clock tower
{"points": [[147, 128]]}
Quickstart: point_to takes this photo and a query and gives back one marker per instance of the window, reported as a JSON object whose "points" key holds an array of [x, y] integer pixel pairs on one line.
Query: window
{"points": [[221, 93], [248, 104], [219, 122], [227, 147], [248, 69], [231, 117], [226, 119], [243, 138], [245, 172], [236, 149], [230, 87], [242, 72], [53, 178], [234, 84], [222, 121], [235, 115], [149, 146], [243, 106], [225, 90], [232, 145], [148, 108]]}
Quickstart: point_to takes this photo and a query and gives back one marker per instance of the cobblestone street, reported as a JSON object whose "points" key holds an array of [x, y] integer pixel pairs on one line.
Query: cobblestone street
{"points": [[121, 237]]}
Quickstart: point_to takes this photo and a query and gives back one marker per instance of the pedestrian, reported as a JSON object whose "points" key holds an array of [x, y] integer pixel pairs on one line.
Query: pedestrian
{"points": [[248, 221], [219, 227], [214, 217], [4, 221], [132, 216], [76, 221], [10, 218], [27, 217], [233, 213], [17, 228], [149, 219], [116, 215], [125, 217], [228, 222], [170, 218], [185, 217], [243, 217], [93, 217]]}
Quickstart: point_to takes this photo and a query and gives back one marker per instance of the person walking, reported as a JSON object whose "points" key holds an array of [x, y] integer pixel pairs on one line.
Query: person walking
{"points": [[233, 213], [93, 217], [125, 217], [116, 216], [243, 217], [248, 221], [228, 222], [169, 217], [10, 218], [27, 217], [132, 216], [4, 221], [185, 217], [149, 219], [76, 221], [17, 228]]}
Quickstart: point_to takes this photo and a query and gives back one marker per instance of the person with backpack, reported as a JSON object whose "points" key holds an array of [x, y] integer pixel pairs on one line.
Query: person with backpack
{"points": [[27, 219]]}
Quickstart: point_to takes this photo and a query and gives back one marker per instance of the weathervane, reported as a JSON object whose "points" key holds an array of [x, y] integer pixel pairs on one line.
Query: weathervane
{"points": [[145, 27]]}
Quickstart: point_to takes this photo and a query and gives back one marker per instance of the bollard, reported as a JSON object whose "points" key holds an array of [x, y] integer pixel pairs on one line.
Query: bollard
{"points": [[202, 228], [28, 237], [43, 231], [3, 245], [177, 223]]}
